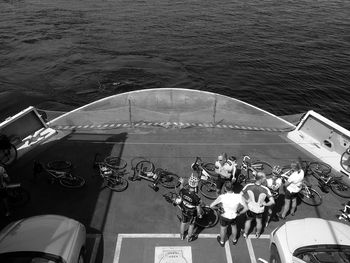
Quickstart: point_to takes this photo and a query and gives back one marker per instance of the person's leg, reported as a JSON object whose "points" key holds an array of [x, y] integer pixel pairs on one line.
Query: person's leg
{"points": [[285, 207], [182, 230], [234, 232], [258, 226], [294, 206], [268, 217], [223, 232], [247, 226], [219, 183], [190, 235]]}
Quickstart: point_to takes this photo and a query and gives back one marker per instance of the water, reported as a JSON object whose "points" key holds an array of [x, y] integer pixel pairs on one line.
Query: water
{"points": [[283, 56]]}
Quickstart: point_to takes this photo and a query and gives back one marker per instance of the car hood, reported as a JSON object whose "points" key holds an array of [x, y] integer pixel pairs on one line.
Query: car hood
{"points": [[315, 231], [48, 233]]}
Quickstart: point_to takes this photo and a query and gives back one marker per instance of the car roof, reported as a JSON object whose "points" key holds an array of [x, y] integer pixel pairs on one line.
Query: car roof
{"points": [[316, 231], [51, 234]]}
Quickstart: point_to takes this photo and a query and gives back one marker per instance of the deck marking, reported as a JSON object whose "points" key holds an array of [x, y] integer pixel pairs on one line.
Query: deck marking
{"points": [[228, 252], [173, 254], [250, 250], [150, 235], [97, 240]]}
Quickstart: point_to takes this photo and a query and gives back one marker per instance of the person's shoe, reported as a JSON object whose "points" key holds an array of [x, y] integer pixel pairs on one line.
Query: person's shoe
{"points": [[191, 238], [245, 235], [234, 242], [267, 223], [222, 244], [280, 216], [292, 214], [257, 235], [7, 214], [182, 237]]}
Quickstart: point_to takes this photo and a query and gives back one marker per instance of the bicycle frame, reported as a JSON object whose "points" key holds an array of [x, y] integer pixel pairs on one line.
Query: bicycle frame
{"points": [[198, 167]]}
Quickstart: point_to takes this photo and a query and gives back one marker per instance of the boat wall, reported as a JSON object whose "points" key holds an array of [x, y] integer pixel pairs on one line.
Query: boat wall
{"points": [[323, 138], [171, 105]]}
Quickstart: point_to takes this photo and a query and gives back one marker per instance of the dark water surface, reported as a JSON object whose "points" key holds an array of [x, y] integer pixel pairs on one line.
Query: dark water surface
{"points": [[283, 56]]}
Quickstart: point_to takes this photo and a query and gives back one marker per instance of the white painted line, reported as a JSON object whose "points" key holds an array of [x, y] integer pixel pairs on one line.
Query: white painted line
{"points": [[228, 252], [117, 249], [251, 250], [95, 247]]}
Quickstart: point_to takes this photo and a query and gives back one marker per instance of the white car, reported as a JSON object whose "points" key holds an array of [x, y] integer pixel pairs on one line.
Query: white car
{"points": [[43, 239], [311, 240]]}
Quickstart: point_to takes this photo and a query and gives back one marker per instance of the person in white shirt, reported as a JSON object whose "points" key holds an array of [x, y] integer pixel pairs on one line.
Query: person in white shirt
{"points": [[293, 186], [225, 170], [232, 205]]}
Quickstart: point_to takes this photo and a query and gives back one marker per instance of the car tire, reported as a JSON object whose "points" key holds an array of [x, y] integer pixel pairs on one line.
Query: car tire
{"points": [[274, 256]]}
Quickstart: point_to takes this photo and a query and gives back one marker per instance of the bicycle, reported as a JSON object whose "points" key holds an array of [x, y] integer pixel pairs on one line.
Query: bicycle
{"points": [[8, 151], [111, 170], [59, 170], [248, 167], [322, 172], [209, 217], [207, 178], [146, 170], [307, 194]]}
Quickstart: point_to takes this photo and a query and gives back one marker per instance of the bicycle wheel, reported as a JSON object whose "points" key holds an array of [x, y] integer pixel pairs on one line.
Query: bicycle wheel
{"points": [[208, 189], [72, 181], [209, 167], [169, 180], [340, 188], [8, 156], [144, 166], [59, 165], [17, 196], [310, 196], [261, 166], [319, 168], [345, 160], [118, 184], [209, 218], [115, 162]]}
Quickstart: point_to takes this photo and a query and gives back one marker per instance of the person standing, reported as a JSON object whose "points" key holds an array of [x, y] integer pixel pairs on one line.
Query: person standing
{"points": [[225, 170], [273, 183], [255, 194], [190, 206], [233, 205], [292, 187]]}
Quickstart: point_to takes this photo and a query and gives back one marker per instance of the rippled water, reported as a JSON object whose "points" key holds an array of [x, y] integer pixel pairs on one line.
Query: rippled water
{"points": [[283, 56]]}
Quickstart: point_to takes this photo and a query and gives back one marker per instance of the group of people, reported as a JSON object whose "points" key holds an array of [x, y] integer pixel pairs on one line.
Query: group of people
{"points": [[253, 200]]}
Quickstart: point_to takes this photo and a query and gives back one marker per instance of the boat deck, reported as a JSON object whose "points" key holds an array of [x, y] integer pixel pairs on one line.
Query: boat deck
{"points": [[131, 226]]}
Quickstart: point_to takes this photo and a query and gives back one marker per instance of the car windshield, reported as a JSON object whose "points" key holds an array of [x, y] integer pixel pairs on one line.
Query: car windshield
{"points": [[29, 257], [324, 254]]}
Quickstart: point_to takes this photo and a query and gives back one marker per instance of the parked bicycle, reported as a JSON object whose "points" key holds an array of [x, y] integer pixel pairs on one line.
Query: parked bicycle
{"points": [[8, 151], [146, 170], [248, 170], [207, 177], [59, 170], [112, 171], [210, 216], [326, 180], [307, 194]]}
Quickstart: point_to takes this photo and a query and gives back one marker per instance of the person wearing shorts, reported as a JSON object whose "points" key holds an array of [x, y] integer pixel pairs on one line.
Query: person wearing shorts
{"points": [[190, 206], [292, 187], [232, 204], [273, 183], [225, 170], [255, 194]]}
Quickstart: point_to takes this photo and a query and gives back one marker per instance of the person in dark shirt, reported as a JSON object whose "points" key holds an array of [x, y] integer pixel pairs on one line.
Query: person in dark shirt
{"points": [[190, 207]]}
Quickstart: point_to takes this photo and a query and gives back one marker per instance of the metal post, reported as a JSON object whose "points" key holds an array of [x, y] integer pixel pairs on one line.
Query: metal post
{"points": [[214, 111], [130, 122]]}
